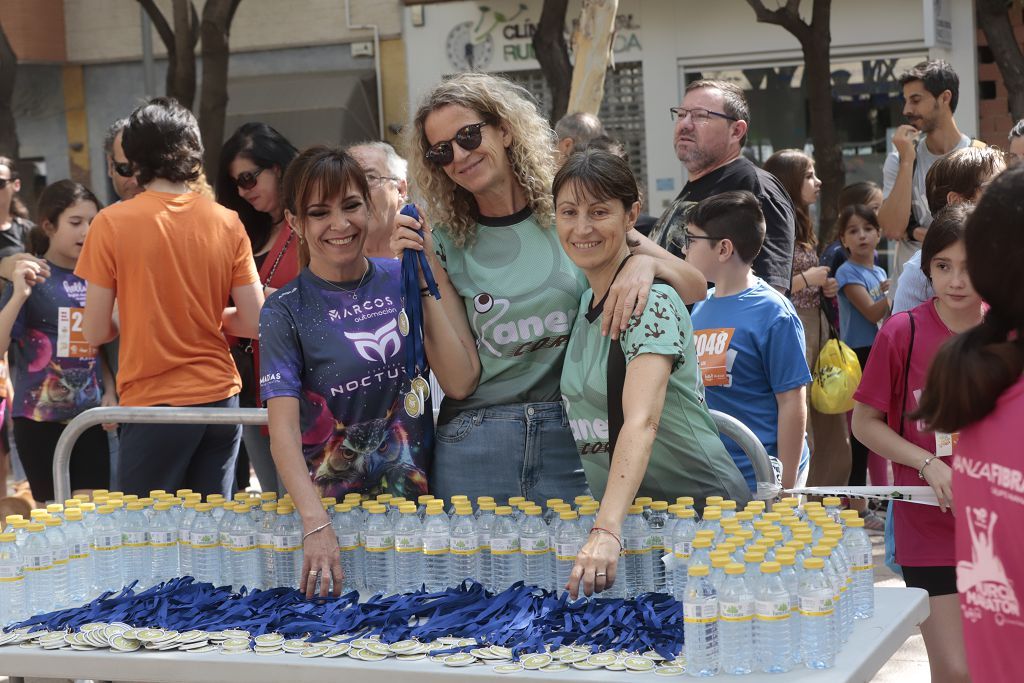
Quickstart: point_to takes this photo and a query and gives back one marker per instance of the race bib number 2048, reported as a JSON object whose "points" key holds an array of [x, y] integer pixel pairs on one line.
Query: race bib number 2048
{"points": [[712, 348]]}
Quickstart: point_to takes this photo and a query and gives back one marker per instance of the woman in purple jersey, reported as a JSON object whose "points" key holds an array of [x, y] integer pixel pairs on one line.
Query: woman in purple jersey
{"points": [[333, 364]]}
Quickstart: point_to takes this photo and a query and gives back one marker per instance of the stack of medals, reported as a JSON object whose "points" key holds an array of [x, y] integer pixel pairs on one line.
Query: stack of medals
{"points": [[410, 323]]}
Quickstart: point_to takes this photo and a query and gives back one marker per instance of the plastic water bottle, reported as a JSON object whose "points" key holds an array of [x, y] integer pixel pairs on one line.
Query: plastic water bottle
{"points": [[588, 516], [858, 550], [551, 511], [135, 546], [243, 555], [224, 524], [700, 624], [13, 605], [534, 546], [773, 631], [657, 521], [712, 521], [184, 542], [464, 546], [264, 529], [484, 522], [817, 612], [836, 566], [720, 559], [106, 551], [568, 543], [346, 530], [455, 501], [516, 503], [506, 560], [408, 550], [833, 506], [683, 534], [636, 551], [379, 544], [436, 555], [80, 569], [39, 573], [421, 505], [204, 540], [553, 526], [736, 621], [216, 502], [58, 541], [163, 544], [287, 544]]}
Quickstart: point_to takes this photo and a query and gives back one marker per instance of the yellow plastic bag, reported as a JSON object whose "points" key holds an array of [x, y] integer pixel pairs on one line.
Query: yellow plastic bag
{"points": [[835, 378]]}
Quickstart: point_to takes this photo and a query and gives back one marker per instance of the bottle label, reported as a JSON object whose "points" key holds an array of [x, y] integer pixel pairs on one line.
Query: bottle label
{"points": [[736, 611], [10, 573], [78, 551], [265, 540], [772, 610], [816, 607], [242, 542], [700, 613], [108, 541], [224, 538], [161, 539], [405, 543], [285, 543], [657, 542], [435, 545], [207, 539], [505, 546], [534, 546], [566, 552], [38, 563], [348, 542], [635, 545], [377, 543], [133, 539], [61, 556], [861, 561], [683, 549], [464, 545], [183, 538]]}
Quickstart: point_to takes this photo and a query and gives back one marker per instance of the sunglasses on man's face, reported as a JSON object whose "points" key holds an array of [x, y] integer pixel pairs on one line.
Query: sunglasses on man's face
{"points": [[124, 169], [5, 181], [246, 180], [468, 138]]}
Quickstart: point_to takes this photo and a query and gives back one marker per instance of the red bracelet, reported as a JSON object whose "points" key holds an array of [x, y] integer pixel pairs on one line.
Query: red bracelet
{"points": [[610, 533]]}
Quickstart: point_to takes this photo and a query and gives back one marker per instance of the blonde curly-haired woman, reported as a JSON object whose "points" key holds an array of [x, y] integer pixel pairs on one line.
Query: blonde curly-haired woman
{"points": [[482, 159]]}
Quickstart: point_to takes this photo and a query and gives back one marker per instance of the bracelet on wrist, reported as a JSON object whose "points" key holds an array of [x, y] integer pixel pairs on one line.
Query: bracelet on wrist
{"points": [[927, 461], [807, 284], [602, 530], [319, 528]]}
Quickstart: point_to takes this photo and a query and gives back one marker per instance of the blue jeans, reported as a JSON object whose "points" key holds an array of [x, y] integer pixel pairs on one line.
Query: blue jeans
{"points": [[520, 449]]}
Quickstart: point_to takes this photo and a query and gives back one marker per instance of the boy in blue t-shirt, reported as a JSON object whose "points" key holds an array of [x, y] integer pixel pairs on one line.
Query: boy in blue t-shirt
{"points": [[749, 340]]}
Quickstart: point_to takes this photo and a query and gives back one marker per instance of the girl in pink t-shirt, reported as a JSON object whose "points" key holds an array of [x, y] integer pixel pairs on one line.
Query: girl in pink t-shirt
{"points": [[893, 381], [975, 387]]}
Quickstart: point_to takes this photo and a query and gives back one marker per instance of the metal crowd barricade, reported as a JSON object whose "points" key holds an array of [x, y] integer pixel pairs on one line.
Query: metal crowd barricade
{"points": [[149, 415], [751, 445]]}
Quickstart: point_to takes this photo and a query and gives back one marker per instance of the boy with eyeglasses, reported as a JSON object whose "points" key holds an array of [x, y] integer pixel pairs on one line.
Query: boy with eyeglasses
{"points": [[748, 337]]}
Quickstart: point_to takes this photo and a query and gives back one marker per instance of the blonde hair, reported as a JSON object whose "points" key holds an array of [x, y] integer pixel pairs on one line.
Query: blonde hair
{"points": [[498, 101]]}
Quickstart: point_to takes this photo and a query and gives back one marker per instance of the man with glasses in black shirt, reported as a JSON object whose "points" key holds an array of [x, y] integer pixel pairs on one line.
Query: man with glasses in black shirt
{"points": [[710, 131], [121, 173]]}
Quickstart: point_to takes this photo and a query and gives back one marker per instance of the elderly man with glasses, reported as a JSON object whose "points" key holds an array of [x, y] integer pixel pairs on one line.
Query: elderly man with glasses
{"points": [[710, 131], [386, 174]]}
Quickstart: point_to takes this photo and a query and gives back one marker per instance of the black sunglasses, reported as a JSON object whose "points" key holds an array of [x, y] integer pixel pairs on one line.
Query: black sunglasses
{"points": [[4, 181], [468, 138], [247, 179], [124, 169]]}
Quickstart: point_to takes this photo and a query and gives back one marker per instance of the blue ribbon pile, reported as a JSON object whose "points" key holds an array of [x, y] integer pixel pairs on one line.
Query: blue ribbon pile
{"points": [[525, 619]]}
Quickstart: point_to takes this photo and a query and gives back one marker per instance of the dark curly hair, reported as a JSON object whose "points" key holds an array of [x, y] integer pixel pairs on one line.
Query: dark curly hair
{"points": [[162, 141]]}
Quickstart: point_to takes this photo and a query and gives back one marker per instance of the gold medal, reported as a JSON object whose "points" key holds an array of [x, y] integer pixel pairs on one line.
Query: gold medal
{"points": [[413, 405], [421, 387], [403, 323]]}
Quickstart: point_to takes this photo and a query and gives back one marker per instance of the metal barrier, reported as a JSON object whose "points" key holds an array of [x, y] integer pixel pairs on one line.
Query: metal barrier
{"points": [[751, 445], [150, 415]]}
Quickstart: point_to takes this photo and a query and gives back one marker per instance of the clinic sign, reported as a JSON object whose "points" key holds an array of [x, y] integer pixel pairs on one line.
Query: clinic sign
{"points": [[501, 36]]}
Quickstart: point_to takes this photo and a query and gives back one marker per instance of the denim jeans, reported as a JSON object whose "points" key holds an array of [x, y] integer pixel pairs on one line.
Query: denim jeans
{"points": [[521, 449]]}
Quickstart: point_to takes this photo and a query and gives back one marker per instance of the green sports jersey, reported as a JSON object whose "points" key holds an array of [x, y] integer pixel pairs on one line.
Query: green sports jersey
{"points": [[688, 458], [521, 294]]}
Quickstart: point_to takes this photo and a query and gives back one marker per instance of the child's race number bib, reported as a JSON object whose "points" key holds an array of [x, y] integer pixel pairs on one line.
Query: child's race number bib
{"points": [[70, 337], [712, 348]]}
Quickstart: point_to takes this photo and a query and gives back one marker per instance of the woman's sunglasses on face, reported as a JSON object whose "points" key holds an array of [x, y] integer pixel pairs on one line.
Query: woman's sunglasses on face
{"points": [[5, 181], [468, 138], [246, 180]]}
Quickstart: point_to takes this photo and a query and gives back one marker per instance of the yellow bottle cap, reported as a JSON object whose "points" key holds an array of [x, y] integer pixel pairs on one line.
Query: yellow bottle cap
{"points": [[713, 514], [686, 513], [697, 570], [770, 567], [636, 509], [734, 568], [814, 563], [424, 499], [644, 501], [713, 501], [659, 505], [685, 500], [503, 510]]}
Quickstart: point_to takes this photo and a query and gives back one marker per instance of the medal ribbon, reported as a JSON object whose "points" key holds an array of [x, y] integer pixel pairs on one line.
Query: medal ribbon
{"points": [[412, 262]]}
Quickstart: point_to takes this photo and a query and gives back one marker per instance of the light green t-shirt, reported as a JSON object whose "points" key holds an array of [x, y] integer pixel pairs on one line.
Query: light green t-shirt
{"points": [[688, 458], [521, 293]]}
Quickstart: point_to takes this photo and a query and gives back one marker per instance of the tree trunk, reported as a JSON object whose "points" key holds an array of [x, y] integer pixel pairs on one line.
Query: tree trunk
{"points": [[215, 27], [8, 127], [553, 54], [994, 21], [181, 60], [828, 159], [592, 47]]}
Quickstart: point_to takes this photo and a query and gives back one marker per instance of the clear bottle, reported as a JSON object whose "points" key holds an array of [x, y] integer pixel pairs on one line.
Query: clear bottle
{"points": [[773, 631], [80, 569], [59, 546], [264, 529], [216, 502], [516, 503], [683, 534], [834, 571], [224, 524], [421, 507], [728, 508], [833, 506], [858, 550], [484, 523], [791, 579], [242, 551], [106, 551], [464, 546], [456, 501], [436, 555], [588, 516], [287, 545], [720, 559], [13, 604], [506, 567], [394, 507], [204, 540], [713, 501], [736, 621], [841, 567], [379, 544], [346, 528], [712, 521], [534, 545], [135, 546], [636, 554], [550, 511], [163, 544], [817, 611], [408, 550], [39, 573], [645, 503], [700, 624], [482, 503], [700, 555], [568, 543], [188, 516], [657, 521]]}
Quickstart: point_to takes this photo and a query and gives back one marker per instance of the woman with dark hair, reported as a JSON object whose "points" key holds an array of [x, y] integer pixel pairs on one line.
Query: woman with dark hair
{"points": [[596, 205], [252, 165], [827, 436], [975, 389]]}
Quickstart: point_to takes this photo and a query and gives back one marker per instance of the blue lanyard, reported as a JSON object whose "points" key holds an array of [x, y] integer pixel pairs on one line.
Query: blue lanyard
{"points": [[412, 262]]}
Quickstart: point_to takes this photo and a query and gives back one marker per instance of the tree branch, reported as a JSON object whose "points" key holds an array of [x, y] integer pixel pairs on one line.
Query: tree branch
{"points": [[994, 21], [193, 36], [553, 55], [160, 24], [788, 17]]}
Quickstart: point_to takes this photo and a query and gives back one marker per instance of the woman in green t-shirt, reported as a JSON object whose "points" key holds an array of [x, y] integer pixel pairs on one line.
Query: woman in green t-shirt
{"points": [[482, 160], [667, 444]]}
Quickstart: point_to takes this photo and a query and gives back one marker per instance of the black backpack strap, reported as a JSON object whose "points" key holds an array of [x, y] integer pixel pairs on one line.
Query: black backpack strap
{"points": [[906, 371]]}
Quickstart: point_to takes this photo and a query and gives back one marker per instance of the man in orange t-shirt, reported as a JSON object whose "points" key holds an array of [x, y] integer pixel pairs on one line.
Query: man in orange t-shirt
{"points": [[171, 259]]}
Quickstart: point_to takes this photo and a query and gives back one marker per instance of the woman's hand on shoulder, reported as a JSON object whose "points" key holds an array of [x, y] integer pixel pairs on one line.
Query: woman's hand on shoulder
{"points": [[627, 297]]}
